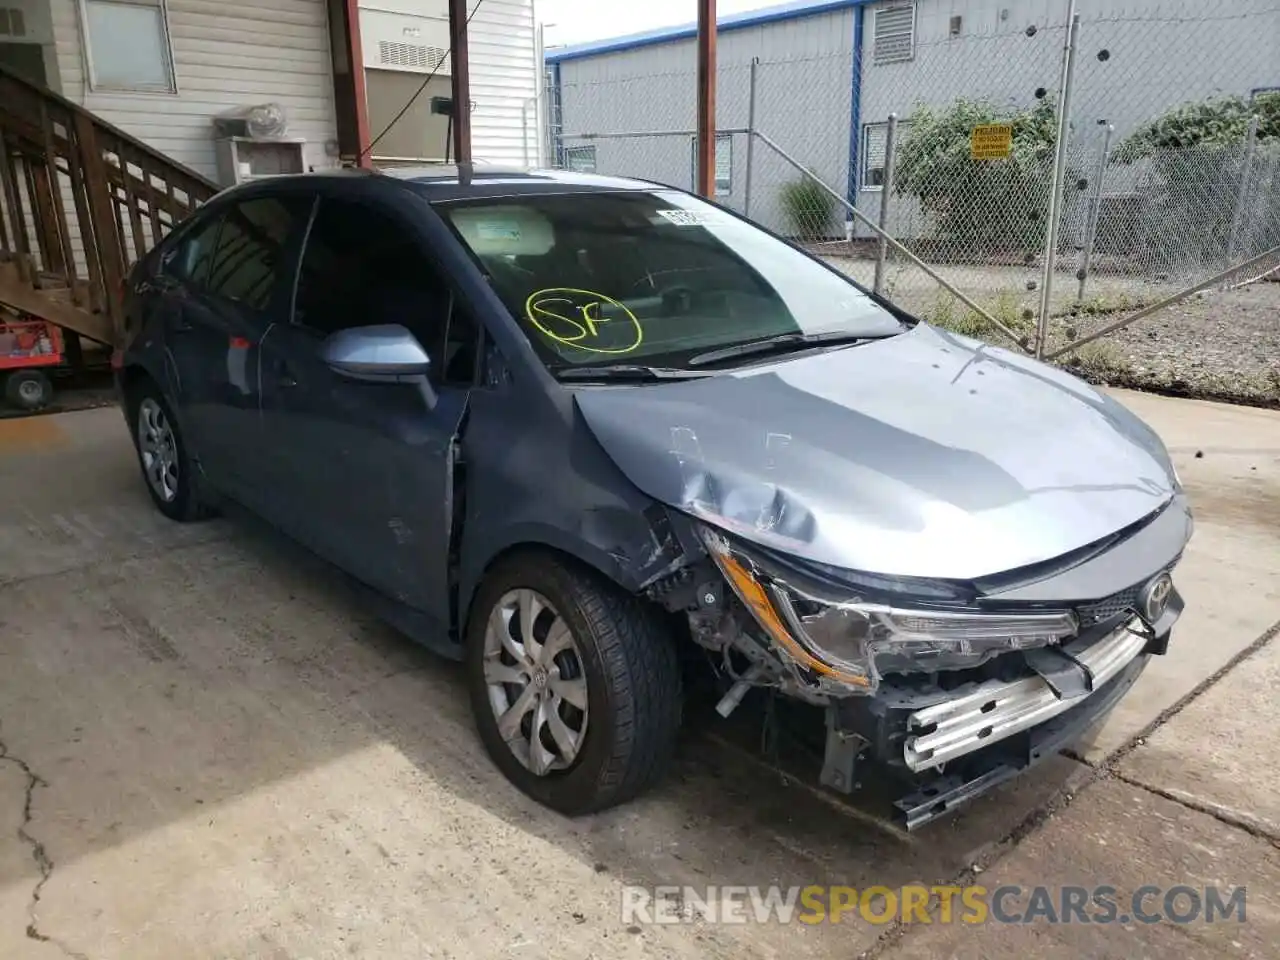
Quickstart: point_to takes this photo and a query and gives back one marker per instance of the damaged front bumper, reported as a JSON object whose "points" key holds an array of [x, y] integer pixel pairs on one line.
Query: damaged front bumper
{"points": [[947, 694], [995, 709], [950, 747], [990, 766]]}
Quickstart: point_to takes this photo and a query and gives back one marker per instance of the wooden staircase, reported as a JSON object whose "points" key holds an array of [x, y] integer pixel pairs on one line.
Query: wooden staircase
{"points": [[80, 202]]}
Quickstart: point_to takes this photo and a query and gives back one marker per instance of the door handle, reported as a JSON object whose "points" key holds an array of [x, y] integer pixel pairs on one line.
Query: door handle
{"points": [[284, 376]]}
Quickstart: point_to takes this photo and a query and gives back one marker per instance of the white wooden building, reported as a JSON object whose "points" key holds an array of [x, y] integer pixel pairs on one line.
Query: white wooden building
{"points": [[163, 70]]}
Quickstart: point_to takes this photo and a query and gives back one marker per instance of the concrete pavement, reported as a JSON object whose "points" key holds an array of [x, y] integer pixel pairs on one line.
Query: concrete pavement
{"points": [[212, 750]]}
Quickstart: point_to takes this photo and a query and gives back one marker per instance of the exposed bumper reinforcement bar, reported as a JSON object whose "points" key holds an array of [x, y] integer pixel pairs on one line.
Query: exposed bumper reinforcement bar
{"points": [[988, 769], [996, 709]]}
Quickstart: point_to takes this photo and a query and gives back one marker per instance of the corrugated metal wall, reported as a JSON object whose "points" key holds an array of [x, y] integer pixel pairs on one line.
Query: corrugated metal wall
{"points": [[1161, 53], [804, 85], [226, 55]]}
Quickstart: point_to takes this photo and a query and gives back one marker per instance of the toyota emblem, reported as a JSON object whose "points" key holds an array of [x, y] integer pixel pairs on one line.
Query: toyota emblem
{"points": [[1155, 598]]}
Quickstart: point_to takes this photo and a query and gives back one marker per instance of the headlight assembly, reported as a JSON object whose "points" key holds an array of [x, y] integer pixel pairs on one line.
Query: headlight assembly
{"points": [[853, 641]]}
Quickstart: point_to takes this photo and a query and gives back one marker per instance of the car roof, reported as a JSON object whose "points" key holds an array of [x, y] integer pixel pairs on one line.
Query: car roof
{"points": [[445, 182]]}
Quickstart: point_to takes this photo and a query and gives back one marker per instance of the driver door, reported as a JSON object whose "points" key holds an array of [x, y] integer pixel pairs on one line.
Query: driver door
{"points": [[363, 470]]}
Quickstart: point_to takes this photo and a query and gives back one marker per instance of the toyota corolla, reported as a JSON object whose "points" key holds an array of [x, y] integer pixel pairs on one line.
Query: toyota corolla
{"points": [[570, 428]]}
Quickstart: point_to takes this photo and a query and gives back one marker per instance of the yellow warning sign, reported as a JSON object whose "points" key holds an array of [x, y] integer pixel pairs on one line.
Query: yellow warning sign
{"points": [[991, 141]]}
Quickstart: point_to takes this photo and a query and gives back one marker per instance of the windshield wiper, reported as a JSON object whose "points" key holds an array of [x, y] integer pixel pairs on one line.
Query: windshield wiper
{"points": [[627, 371], [780, 344]]}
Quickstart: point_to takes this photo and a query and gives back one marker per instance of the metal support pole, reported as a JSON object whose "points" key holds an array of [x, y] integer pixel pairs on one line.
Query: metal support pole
{"points": [[541, 115], [460, 63], [1059, 164], [886, 188], [1095, 208], [706, 141], [1242, 195], [751, 139], [350, 102], [632, 134]]}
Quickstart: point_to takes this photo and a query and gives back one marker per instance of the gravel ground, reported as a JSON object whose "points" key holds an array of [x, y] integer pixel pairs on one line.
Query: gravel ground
{"points": [[1218, 345], [1221, 345]]}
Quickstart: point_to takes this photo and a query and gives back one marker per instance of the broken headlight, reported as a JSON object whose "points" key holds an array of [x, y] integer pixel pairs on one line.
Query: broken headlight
{"points": [[855, 641]]}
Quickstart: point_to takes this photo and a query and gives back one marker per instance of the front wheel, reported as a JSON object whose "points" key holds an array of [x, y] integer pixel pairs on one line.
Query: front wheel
{"points": [[575, 684]]}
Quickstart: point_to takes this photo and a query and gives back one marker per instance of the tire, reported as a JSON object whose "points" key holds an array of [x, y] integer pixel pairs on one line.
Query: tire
{"points": [[619, 646], [28, 389], [178, 496]]}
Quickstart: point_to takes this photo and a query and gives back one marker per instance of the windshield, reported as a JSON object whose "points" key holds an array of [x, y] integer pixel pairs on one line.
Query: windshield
{"points": [[654, 278]]}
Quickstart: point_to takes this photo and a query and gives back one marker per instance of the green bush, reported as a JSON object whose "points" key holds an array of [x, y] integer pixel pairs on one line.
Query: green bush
{"points": [[809, 209], [1197, 166], [982, 205], [1215, 122]]}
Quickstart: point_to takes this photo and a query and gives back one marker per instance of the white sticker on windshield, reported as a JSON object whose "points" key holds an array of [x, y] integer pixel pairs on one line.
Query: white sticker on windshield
{"points": [[498, 232], [689, 218]]}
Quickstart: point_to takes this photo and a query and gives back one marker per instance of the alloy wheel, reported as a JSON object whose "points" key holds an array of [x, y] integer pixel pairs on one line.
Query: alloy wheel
{"points": [[536, 681], [159, 449]]}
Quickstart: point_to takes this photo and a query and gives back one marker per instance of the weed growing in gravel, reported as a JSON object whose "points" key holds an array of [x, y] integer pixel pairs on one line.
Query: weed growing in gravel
{"points": [[1273, 382], [1102, 304], [1101, 361], [946, 313]]}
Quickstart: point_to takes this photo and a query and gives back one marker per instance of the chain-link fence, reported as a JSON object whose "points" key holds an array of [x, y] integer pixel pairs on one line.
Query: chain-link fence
{"points": [[1071, 162]]}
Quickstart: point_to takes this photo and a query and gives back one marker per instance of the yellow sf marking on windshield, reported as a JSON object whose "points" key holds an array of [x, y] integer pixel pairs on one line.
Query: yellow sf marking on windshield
{"points": [[552, 312]]}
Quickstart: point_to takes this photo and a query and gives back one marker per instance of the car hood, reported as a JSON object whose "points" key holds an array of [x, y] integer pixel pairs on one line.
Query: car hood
{"points": [[926, 454]]}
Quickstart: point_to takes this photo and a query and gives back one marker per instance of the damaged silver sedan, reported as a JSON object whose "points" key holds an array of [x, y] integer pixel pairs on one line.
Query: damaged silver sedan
{"points": [[580, 432]]}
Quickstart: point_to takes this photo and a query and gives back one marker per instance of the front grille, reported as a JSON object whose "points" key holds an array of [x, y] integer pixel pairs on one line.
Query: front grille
{"points": [[1108, 607], [1098, 611]]}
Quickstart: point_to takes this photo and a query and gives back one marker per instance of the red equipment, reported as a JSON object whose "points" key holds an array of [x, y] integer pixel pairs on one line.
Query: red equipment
{"points": [[27, 346]]}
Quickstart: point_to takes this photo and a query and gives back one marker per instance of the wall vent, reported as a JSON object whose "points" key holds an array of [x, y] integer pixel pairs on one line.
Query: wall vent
{"points": [[415, 56], [894, 33]]}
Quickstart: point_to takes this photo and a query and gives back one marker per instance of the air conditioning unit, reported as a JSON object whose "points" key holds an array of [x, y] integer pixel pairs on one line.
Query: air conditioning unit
{"points": [[251, 143], [405, 42]]}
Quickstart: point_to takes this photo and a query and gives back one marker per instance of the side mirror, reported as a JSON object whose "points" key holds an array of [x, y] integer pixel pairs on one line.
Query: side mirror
{"points": [[383, 354], [388, 352]]}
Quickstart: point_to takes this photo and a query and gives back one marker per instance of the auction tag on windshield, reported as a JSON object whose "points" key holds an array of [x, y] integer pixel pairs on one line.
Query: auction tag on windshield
{"points": [[498, 232], [688, 218]]}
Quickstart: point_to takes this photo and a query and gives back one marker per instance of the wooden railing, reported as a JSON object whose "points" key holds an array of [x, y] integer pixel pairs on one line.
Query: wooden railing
{"points": [[80, 202]]}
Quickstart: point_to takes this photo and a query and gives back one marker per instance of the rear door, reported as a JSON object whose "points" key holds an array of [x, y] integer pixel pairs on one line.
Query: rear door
{"points": [[233, 279], [194, 344], [364, 470]]}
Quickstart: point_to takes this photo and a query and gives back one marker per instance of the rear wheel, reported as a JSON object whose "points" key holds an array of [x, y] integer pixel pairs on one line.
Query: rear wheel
{"points": [[28, 389], [575, 684], [166, 466]]}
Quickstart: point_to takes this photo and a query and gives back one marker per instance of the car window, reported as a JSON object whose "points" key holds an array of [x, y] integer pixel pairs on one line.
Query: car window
{"points": [[361, 267], [190, 257], [251, 249], [656, 276]]}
